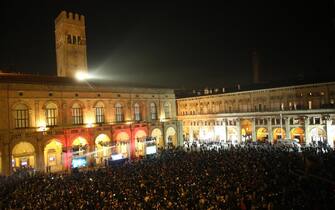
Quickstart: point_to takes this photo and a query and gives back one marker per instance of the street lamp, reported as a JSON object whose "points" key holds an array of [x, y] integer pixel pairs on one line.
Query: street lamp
{"points": [[81, 76]]}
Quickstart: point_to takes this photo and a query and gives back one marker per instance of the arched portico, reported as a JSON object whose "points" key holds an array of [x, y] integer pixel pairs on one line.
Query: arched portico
{"points": [[102, 148], [278, 133], [157, 134], [140, 137], [53, 156], [171, 136], [23, 155], [262, 134], [298, 133], [246, 130], [317, 134], [80, 152], [122, 144], [232, 135]]}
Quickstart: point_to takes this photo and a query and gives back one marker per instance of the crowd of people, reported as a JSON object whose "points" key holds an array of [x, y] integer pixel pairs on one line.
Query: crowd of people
{"points": [[260, 177]]}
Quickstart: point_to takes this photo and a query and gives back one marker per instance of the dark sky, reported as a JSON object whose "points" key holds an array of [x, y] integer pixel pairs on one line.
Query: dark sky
{"points": [[178, 44]]}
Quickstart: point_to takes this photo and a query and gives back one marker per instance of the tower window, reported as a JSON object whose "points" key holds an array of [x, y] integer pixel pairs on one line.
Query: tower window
{"points": [[79, 40], [74, 40]]}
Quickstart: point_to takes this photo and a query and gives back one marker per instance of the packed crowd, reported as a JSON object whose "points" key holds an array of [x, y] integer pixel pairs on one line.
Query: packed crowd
{"points": [[249, 177]]}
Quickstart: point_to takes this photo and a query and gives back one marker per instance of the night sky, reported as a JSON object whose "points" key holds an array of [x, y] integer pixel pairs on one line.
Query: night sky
{"points": [[178, 44]]}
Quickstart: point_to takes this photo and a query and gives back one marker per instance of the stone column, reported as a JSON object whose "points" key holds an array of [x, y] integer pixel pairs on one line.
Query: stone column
{"points": [[6, 160], [330, 133], [191, 133], [238, 126], [287, 127], [225, 131], [254, 136], [307, 134], [270, 137], [40, 157], [179, 130]]}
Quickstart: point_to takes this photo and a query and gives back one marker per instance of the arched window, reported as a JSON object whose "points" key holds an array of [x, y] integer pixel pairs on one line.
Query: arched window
{"points": [[77, 114], [74, 40], [137, 112], [51, 114], [99, 113], [69, 39], [153, 111], [119, 112], [21, 116], [167, 110]]}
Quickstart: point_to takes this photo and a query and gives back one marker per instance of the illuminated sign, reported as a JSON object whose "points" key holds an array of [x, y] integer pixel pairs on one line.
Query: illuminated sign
{"points": [[117, 157], [79, 162], [151, 150]]}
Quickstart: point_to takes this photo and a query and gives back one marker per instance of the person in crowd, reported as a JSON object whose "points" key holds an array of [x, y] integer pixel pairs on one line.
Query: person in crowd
{"points": [[261, 177]]}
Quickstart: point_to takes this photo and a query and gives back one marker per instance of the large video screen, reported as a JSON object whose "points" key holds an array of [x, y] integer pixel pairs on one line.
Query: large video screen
{"points": [[117, 156], [79, 162], [151, 150]]}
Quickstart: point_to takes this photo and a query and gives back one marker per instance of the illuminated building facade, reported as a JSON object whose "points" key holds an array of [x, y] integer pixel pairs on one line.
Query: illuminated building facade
{"points": [[302, 112], [55, 123]]}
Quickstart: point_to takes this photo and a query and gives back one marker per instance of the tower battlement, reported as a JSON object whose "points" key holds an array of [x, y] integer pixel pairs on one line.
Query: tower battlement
{"points": [[70, 44], [69, 17]]}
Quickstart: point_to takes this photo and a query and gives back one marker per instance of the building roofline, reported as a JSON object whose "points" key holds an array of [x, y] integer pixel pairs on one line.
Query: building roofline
{"points": [[255, 90], [92, 85]]}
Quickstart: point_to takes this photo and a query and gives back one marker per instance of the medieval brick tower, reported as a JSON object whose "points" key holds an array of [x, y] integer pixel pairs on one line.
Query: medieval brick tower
{"points": [[70, 44]]}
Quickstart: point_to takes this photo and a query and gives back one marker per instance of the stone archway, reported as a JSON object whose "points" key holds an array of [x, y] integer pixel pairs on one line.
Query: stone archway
{"points": [[53, 156], [140, 137], [262, 134], [23, 155], [298, 133], [278, 133], [196, 132], [79, 152], [318, 134], [246, 130], [102, 148], [171, 136], [157, 134], [206, 133], [122, 145], [232, 135]]}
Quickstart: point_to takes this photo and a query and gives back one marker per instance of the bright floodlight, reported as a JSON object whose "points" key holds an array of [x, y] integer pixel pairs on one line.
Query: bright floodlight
{"points": [[80, 75]]}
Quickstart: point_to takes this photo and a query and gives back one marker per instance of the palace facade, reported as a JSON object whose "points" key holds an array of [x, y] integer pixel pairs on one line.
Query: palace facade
{"points": [[302, 112], [55, 123]]}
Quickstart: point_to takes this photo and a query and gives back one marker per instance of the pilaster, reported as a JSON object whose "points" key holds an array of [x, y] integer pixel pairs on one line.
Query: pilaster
{"points": [[287, 127], [307, 134], [254, 137], [270, 137], [330, 133], [238, 125]]}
